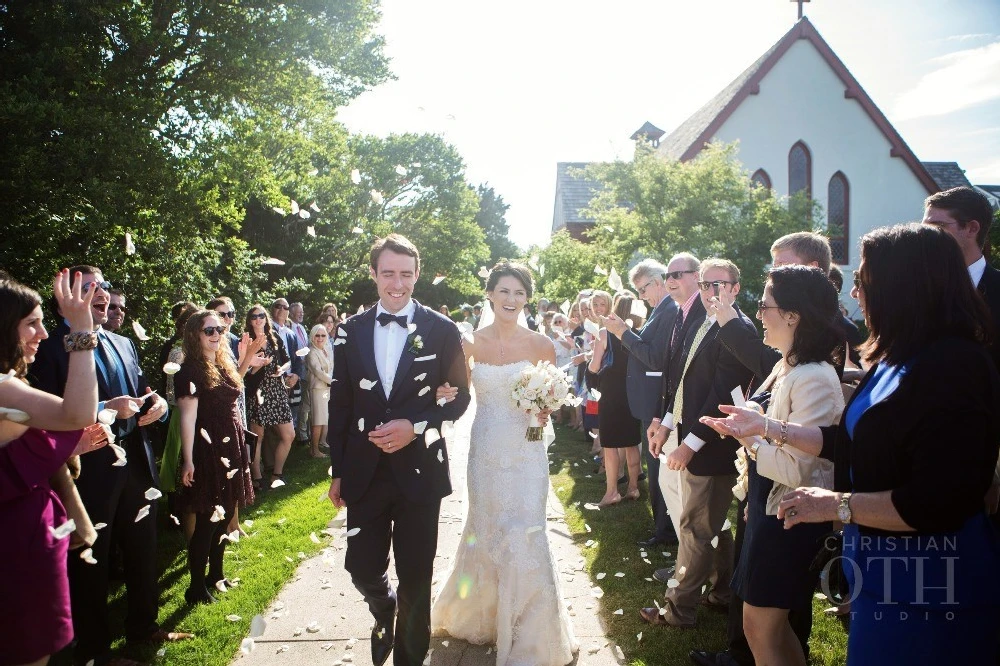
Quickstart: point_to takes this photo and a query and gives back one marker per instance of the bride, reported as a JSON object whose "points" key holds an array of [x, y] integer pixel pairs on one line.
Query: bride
{"points": [[503, 587]]}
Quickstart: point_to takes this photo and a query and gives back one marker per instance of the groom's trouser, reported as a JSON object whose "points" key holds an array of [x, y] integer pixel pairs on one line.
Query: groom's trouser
{"points": [[385, 516]]}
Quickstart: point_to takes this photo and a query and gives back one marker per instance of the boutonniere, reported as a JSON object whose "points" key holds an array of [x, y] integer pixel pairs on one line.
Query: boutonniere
{"points": [[416, 344]]}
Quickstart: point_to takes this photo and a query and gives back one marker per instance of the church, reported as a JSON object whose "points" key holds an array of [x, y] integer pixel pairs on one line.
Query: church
{"points": [[803, 123]]}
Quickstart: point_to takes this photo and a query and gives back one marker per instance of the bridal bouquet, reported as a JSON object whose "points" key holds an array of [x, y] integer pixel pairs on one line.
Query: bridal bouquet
{"points": [[542, 387]]}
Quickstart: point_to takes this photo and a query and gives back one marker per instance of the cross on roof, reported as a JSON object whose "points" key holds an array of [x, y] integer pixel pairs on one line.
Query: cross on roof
{"points": [[800, 6]]}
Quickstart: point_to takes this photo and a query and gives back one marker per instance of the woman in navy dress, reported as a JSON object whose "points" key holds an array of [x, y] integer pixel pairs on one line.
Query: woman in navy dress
{"points": [[914, 456]]}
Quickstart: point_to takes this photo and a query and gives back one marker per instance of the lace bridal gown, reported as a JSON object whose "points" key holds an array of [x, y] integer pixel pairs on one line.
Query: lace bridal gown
{"points": [[503, 587]]}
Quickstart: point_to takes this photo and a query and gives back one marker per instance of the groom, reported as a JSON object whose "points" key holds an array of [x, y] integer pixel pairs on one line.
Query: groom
{"points": [[390, 464]]}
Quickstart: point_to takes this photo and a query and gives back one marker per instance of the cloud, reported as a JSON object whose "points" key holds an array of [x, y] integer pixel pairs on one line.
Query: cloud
{"points": [[960, 80], [967, 38]]}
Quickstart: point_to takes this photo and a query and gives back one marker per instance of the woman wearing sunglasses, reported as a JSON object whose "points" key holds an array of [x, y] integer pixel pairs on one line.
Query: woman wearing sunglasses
{"points": [[319, 366], [215, 467], [267, 395]]}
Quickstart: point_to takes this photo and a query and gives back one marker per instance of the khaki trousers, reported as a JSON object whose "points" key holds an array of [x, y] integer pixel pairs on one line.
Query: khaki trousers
{"points": [[706, 504]]}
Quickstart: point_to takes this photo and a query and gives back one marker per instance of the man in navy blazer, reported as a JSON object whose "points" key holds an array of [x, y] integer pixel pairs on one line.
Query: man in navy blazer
{"points": [[389, 460], [113, 490], [965, 214], [648, 355]]}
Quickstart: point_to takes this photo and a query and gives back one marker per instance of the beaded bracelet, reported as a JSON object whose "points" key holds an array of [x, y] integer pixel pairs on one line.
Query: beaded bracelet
{"points": [[80, 341]]}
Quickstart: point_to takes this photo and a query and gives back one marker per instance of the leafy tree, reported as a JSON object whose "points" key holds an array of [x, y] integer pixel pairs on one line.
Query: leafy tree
{"points": [[708, 206], [566, 265], [491, 220]]}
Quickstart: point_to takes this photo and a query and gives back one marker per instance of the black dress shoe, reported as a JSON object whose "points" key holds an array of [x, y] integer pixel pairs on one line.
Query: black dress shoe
{"points": [[705, 658], [663, 575], [652, 542], [198, 596], [382, 638]]}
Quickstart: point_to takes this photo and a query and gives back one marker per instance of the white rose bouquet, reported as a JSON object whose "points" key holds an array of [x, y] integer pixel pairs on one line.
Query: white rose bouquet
{"points": [[542, 387]]}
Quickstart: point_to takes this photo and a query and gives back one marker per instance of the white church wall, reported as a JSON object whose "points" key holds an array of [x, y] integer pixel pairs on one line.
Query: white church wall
{"points": [[802, 98]]}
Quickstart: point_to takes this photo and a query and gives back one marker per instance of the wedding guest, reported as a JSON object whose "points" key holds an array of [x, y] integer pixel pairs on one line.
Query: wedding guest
{"points": [[215, 471], [620, 431], [175, 312], [113, 494], [35, 618], [529, 317], [267, 396], [800, 314], [704, 460], [930, 382], [328, 309], [329, 322], [296, 314], [444, 310], [283, 327], [116, 310], [648, 347], [223, 307], [319, 370]]}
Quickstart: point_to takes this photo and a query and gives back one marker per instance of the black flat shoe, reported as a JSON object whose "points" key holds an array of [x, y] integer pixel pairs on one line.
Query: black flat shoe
{"points": [[202, 596]]}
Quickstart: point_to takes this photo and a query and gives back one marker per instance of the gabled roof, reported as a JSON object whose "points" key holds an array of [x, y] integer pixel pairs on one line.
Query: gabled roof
{"points": [[648, 130], [947, 174], [993, 190], [691, 136], [574, 192]]}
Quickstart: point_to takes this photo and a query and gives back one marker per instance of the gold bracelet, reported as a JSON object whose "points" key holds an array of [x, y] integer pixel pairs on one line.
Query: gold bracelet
{"points": [[80, 341], [767, 424], [784, 434]]}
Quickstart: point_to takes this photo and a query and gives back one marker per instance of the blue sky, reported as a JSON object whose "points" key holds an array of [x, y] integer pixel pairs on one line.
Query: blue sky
{"points": [[520, 85]]}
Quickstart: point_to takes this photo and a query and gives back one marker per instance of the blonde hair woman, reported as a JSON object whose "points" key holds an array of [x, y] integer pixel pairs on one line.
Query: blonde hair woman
{"points": [[319, 370]]}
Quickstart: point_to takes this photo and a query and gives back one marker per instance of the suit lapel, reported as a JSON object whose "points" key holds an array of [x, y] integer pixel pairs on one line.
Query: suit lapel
{"points": [[424, 323], [365, 333]]}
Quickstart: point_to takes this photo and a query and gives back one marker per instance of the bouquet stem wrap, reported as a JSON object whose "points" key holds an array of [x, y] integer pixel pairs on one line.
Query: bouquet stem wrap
{"points": [[534, 433]]}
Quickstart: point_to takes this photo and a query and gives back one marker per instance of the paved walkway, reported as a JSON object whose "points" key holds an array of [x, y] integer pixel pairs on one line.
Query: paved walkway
{"points": [[319, 618]]}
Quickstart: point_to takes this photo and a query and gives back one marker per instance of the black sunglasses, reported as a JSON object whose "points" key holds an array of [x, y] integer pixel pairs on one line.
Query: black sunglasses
{"points": [[705, 286], [677, 275], [761, 306], [259, 315], [280, 307], [106, 286], [857, 282], [227, 315], [115, 306], [209, 330]]}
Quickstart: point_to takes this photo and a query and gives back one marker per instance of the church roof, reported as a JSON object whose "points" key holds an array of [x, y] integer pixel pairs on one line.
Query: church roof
{"points": [[947, 174], [991, 189], [575, 192], [691, 136]]}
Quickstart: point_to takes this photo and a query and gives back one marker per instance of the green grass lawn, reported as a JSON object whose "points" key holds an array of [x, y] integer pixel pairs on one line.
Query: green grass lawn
{"points": [[615, 531], [283, 520]]}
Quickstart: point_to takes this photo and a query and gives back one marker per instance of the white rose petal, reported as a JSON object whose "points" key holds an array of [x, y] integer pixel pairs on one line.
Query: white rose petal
{"points": [[355, 176], [247, 645], [231, 473], [143, 512], [418, 428], [424, 390], [313, 628], [63, 530], [100, 526], [619, 575], [204, 433], [619, 612], [225, 439], [351, 532], [140, 332], [175, 519], [233, 618], [438, 279], [367, 384], [447, 429], [357, 230], [599, 270], [672, 583], [440, 455], [601, 576], [311, 231], [218, 514], [193, 388], [171, 368], [107, 416], [431, 435], [271, 261], [88, 556], [727, 525], [277, 483], [152, 494], [302, 352], [377, 197], [715, 541], [442, 402], [361, 425]]}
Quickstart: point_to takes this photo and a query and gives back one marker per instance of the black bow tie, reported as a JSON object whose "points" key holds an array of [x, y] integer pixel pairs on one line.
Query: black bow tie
{"points": [[385, 318]]}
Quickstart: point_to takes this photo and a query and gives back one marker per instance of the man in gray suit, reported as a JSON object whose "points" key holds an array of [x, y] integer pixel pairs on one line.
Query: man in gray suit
{"points": [[648, 355]]}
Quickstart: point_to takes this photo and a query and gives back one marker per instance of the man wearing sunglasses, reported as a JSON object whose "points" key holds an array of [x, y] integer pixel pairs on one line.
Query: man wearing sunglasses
{"points": [[116, 310], [649, 349], [112, 485]]}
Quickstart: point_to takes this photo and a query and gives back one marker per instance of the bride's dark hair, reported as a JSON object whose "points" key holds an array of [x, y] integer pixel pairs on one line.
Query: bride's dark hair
{"points": [[519, 272]]}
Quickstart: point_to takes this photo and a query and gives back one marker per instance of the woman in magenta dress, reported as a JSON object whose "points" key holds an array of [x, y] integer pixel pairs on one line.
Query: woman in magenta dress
{"points": [[35, 442]]}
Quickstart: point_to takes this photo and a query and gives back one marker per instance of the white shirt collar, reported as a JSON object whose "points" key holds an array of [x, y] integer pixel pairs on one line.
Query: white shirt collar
{"points": [[976, 270], [407, 310]]}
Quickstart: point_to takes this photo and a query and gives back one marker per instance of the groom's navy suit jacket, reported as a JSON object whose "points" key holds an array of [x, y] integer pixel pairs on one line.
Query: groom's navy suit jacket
{"points": [[420, 470]]}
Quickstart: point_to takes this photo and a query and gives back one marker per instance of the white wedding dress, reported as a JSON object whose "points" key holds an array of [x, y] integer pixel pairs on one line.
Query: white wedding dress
{"points": [[503, 587]]}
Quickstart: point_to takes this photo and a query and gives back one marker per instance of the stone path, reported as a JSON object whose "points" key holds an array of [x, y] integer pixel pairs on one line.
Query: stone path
{"points": [[319, 618]]}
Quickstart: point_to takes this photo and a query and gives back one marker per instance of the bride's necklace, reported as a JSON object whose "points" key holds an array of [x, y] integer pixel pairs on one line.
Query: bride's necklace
{"points": [[502, 352]]}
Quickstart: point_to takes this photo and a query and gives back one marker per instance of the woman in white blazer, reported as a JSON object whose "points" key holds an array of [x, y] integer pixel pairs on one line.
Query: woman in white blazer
{"points": [[800, 314]]}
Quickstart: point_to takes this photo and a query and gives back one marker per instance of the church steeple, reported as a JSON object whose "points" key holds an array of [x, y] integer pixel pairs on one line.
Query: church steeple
{"points": [[800, 6]]}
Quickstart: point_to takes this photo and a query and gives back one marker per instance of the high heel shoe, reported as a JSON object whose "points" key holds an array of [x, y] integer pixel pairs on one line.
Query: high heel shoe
{"points": [[632, 494]]}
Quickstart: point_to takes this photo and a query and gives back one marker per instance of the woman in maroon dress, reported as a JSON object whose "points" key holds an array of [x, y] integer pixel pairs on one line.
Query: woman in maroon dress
{"points": [[35, 619], [215, 466]]}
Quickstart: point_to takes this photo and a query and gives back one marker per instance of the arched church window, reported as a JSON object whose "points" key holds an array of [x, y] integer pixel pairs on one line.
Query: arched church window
{"points": [[761, 178], [838, 217], [799, 170]]}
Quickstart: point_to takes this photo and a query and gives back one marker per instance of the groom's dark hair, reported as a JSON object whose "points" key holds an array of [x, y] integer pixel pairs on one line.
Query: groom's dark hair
{"points": [[395, 243]]}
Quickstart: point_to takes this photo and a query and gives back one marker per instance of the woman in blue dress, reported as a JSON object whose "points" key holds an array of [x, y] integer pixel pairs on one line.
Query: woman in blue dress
{"points": [[914, 456]]}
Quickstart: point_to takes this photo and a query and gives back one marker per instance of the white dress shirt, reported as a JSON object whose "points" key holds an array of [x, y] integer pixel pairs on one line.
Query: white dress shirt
{"points": [[976, 270], [389, 341], [693, 441]]}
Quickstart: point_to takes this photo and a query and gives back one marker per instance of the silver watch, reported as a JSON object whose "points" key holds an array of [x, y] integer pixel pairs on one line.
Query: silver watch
{"points": [[844, 509]]}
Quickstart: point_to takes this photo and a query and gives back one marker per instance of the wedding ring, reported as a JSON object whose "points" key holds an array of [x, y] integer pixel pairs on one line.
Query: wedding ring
{"points": [[792, 513]]}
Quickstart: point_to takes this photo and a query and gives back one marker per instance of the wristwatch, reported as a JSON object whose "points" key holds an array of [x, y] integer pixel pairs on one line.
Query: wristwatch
{"points": [[752, 451], [844, 509]]}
